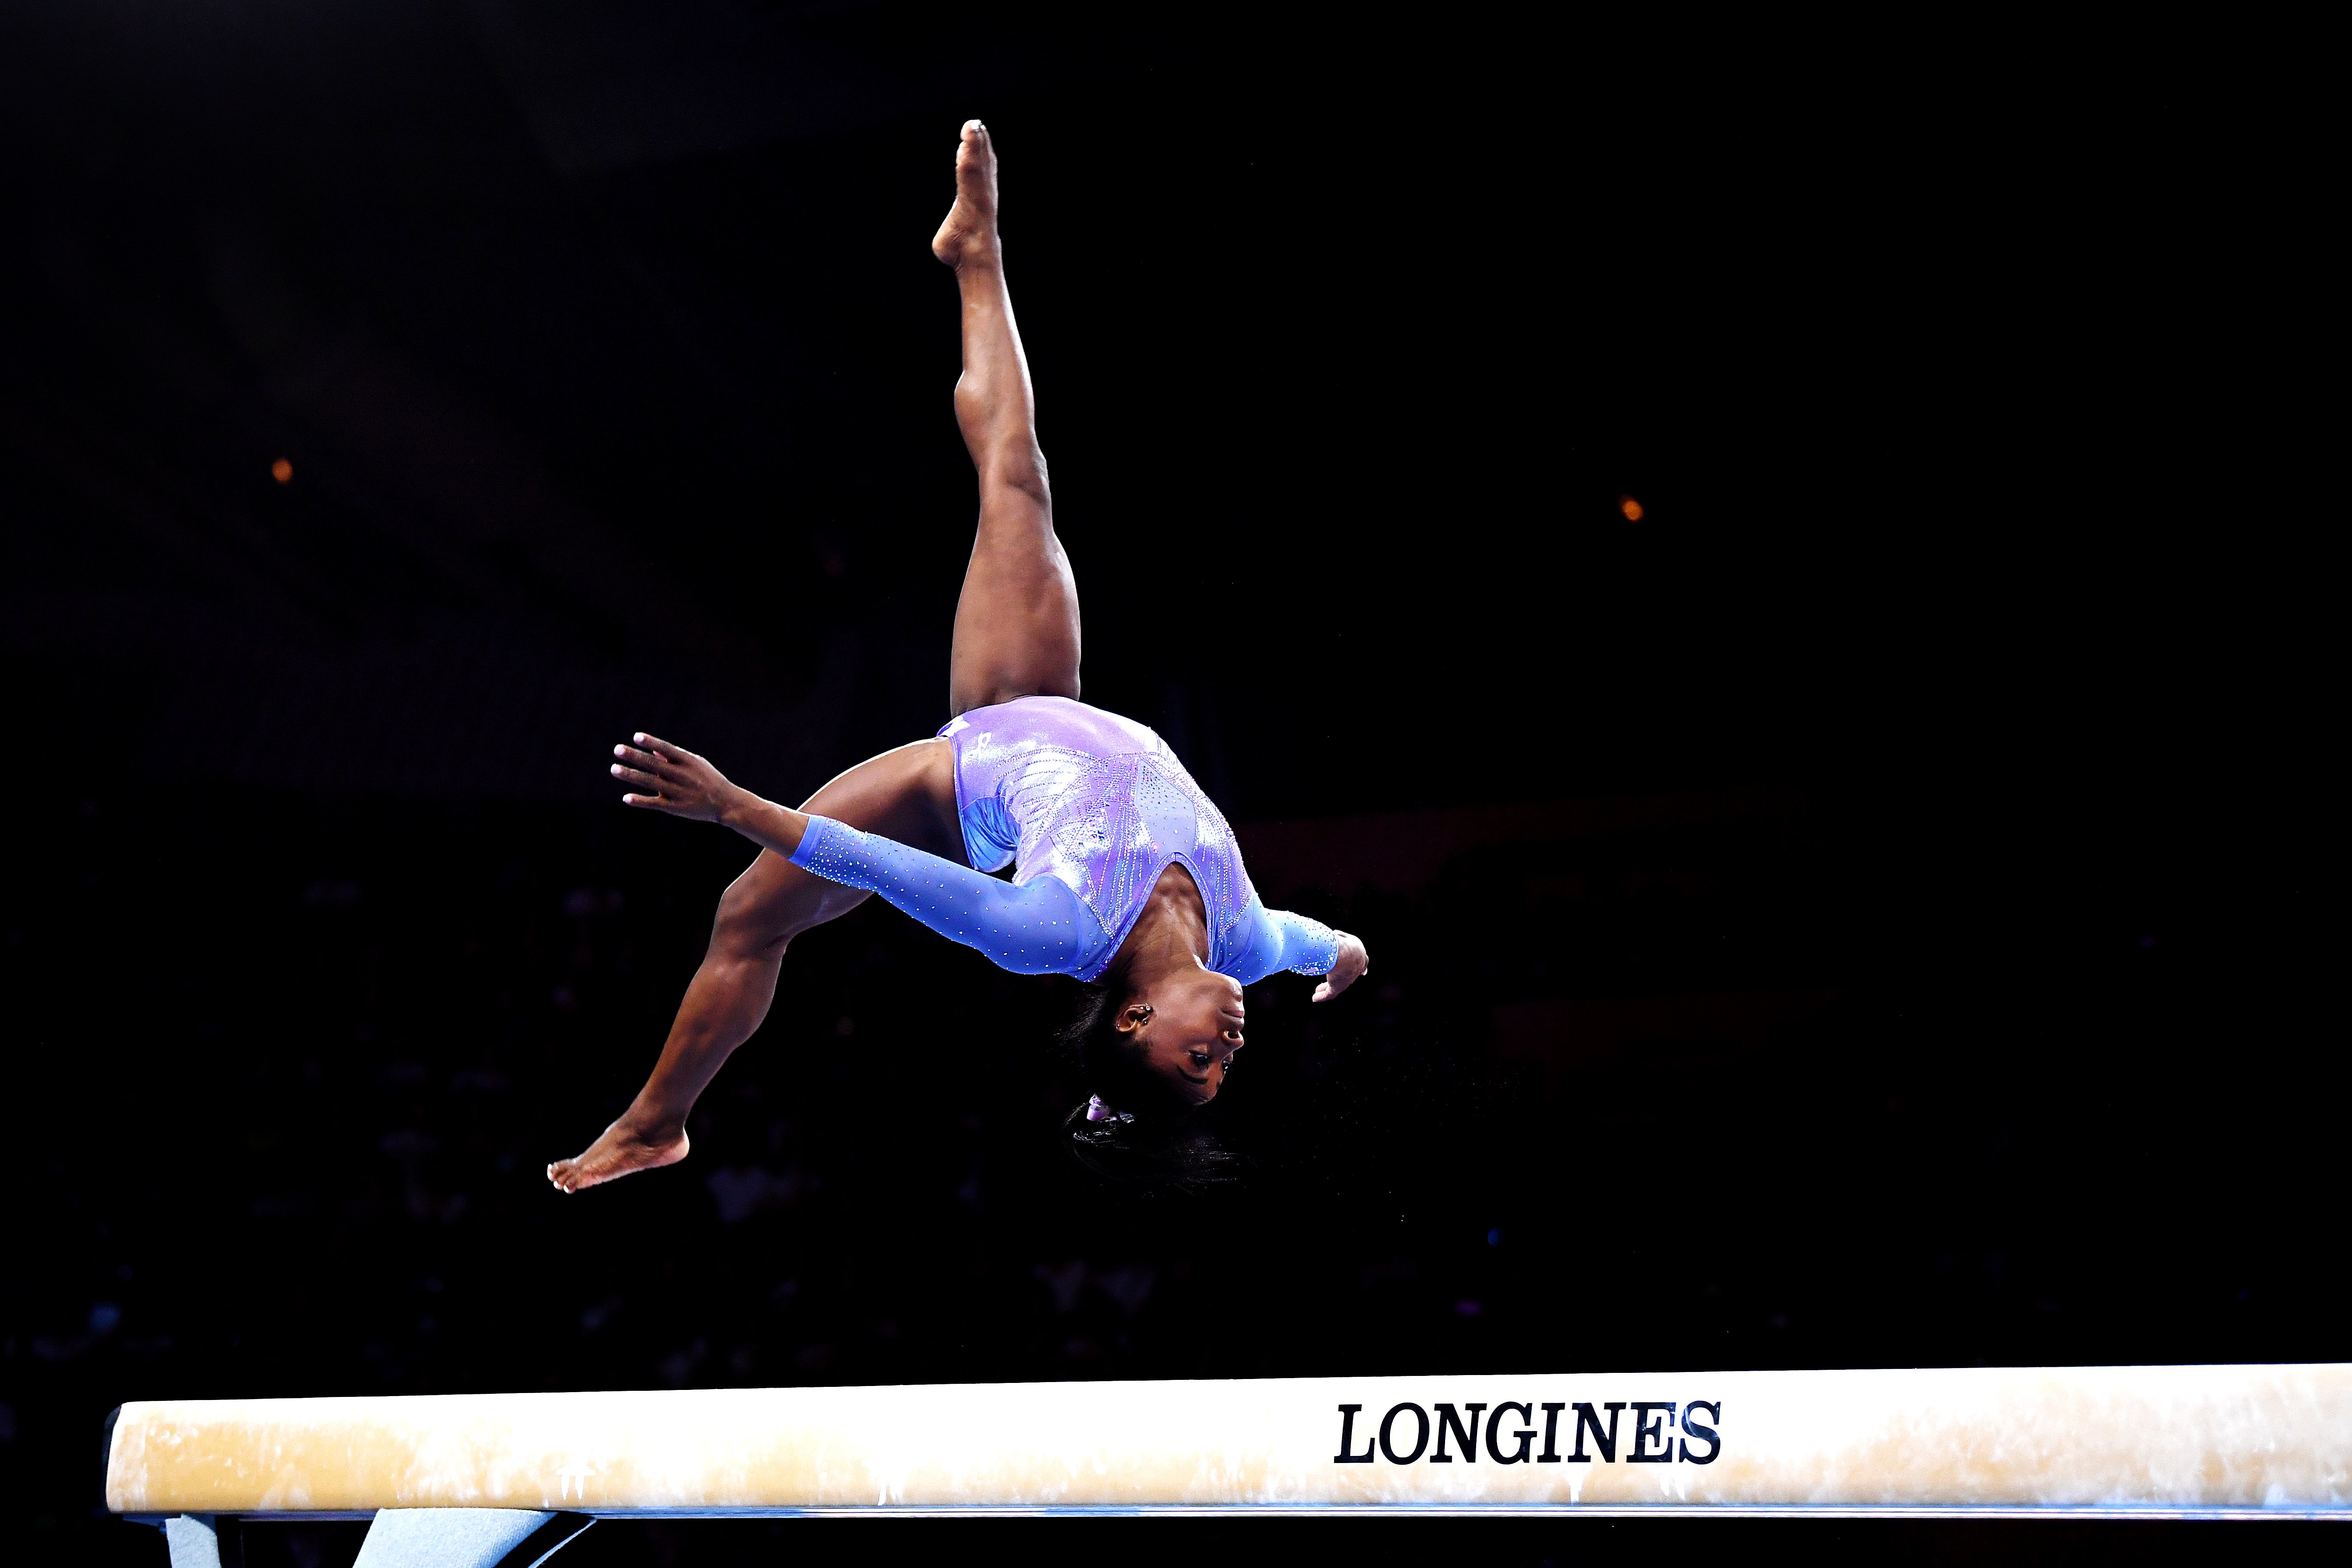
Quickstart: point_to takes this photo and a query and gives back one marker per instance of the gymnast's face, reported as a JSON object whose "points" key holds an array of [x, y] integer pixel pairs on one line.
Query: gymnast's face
{"points": [[1188, 1028]]}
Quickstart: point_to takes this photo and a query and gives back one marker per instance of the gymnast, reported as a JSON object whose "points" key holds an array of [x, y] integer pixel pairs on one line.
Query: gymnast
{"points": [[1126, 876]]}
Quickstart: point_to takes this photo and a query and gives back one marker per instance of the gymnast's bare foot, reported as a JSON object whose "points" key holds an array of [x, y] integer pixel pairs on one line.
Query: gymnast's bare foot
{"points": [[627, 1146], [969, 234]]}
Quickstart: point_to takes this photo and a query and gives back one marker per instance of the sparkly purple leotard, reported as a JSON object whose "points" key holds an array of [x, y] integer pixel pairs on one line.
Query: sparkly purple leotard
{"points": [[1089, 808]]}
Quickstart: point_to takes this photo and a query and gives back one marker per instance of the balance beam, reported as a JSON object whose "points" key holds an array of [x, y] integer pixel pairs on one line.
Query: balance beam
{"points": [[2162, 1441]]}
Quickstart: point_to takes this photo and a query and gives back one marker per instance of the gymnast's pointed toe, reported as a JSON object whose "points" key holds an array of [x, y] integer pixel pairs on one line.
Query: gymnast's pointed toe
{"points": [[969, 234], [622, 1151]]}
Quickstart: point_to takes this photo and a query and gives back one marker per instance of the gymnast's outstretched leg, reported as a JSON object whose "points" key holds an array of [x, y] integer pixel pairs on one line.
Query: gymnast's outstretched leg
{"points": [[1016, 634], [1016, 628], [907, 794]]}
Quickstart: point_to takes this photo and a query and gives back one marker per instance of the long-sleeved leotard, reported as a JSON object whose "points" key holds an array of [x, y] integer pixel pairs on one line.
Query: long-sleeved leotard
{"points": [[1089, 808]]}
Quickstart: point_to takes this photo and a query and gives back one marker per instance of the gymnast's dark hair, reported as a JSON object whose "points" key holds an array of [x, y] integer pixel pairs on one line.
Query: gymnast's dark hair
{"points": [[1154, 1141]]}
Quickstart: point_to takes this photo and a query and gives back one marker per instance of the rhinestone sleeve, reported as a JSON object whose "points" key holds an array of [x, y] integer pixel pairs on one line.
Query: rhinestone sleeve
{"points": [[1035, 928], [1268, 940]]}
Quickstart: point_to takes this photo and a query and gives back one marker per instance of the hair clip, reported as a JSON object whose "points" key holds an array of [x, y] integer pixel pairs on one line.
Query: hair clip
{"points": [[1096, 1110]]}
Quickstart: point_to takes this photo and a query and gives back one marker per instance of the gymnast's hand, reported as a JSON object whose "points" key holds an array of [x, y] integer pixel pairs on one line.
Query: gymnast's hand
{"points": [[1352, 962], [663, 777], [669, 778]]}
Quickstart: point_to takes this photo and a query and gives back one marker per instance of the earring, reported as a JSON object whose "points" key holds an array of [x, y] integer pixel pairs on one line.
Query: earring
{"points": [[1146, 1013]]}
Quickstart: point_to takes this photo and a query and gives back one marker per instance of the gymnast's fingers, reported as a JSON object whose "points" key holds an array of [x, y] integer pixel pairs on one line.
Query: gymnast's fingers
{"points": [[638, 776], [1341, 977], [664, 751]]}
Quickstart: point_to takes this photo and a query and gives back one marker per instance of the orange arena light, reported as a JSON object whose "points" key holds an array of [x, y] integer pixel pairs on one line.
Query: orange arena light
{"points": [[1630, 508], [282, 471]]}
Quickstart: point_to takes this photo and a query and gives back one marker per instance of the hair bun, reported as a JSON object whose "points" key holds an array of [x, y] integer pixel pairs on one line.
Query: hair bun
{"points": [[1164, 1153]]}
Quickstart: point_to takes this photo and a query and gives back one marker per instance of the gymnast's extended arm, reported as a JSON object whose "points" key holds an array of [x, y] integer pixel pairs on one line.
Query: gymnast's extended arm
{"points": [[1035, 928], [1271, 940]]}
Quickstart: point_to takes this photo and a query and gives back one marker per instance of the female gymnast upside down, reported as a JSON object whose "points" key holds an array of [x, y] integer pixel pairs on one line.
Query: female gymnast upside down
{"points": [[1126, 875]]}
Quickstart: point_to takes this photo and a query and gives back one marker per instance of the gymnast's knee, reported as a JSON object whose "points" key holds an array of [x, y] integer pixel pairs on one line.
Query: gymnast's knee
{"points": [[1017, 468], [754, 921]]}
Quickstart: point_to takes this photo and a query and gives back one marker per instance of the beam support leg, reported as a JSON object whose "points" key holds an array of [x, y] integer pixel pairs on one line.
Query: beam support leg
{"points": [[465, 1538], [195, 1542]]}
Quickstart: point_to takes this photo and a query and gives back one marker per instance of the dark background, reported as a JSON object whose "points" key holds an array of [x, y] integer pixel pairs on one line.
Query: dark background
{"points": [[1875, 910]]}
